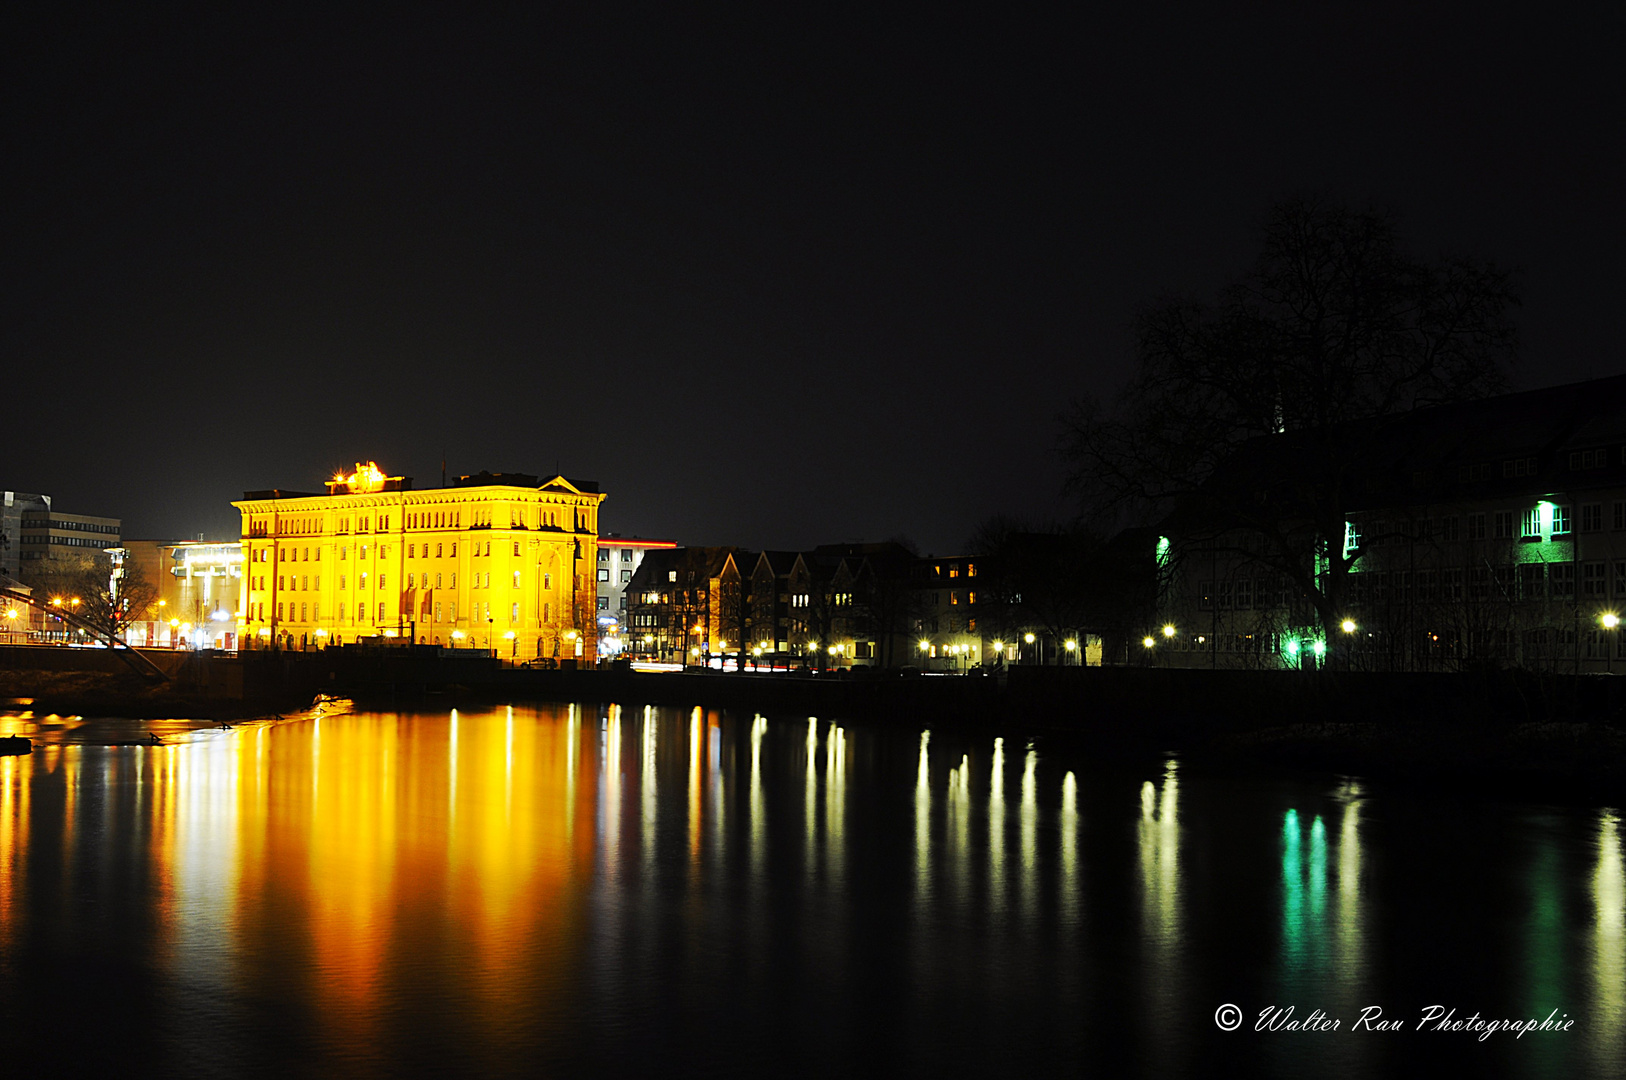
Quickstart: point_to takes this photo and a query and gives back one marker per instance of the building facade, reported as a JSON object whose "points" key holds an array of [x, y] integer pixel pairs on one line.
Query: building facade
{"points": [[198, 588], [618, 560], [503, 562], [1488, 533]]}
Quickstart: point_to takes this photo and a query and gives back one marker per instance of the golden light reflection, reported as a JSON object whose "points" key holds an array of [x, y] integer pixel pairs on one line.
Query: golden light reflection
{"points": [[1161, 914], [16, 775], [1606, 1025], [647, 789], [923, 822], [1030, 835], [759, 830], [610, 786], [835, 805], [996, 832], [344, 870], [810, 792], [1070, 893], [958, 830], [694, 787]]}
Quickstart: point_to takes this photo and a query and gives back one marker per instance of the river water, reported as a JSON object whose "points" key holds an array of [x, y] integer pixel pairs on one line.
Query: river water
{"points": [[568, 890]]}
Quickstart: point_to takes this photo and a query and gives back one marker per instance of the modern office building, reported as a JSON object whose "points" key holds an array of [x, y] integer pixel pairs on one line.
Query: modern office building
{"points": [[500, 561], [618, 559], [36, 532], [197, 592]]}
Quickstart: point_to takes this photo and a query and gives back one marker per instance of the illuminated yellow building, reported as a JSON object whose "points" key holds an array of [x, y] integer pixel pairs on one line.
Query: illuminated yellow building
{"points": [[494, 561]]}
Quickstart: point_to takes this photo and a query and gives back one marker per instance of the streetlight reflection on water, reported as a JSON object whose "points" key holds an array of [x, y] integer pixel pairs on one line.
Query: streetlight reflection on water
{"points": [[511, 870]]}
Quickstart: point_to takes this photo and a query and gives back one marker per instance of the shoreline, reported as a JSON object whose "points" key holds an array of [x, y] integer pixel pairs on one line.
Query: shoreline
{"points": [[1235, 723]]}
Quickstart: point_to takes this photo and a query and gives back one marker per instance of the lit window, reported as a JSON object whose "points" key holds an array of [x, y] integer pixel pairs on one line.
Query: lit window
{"points": [[516, 579]]}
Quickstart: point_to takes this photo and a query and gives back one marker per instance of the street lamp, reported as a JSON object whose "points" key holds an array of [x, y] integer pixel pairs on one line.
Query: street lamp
{"points": [[1029, 639], [1610, 621], [1072, 646], [1348, 626]]}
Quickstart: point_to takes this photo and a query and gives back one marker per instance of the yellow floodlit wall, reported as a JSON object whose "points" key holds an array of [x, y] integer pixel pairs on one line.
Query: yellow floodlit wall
{"points": [[496, 566]]}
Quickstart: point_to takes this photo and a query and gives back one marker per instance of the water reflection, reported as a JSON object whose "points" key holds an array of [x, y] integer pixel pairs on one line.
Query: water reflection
{"points": [[1606, 1027], [489, 891], [1161, 912]]}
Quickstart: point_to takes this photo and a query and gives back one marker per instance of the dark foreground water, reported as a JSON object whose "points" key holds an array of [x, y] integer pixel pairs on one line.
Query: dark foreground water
{"points": [[568, 891]]}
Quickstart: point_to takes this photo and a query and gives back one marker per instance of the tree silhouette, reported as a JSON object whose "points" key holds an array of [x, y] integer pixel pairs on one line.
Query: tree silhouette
{"points": [[1251, 416]]}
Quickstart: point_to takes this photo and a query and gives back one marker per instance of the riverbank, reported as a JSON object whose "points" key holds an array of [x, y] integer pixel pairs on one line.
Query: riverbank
{"points": [[1533, 736]]}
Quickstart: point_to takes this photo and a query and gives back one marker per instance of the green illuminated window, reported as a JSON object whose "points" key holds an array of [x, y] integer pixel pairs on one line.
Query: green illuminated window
{"points": [[1561, 521]]}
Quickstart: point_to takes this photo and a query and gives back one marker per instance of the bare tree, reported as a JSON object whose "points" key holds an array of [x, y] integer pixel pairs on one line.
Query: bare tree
{"points": [[1253, 414], [86, 584]]}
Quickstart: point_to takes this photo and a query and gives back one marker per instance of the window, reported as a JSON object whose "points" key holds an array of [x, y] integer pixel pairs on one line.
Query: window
{"points": [[381, 611], [1561, 580], [1582, 460], [1592, 517], [1451, 584], [1448, 529], [454, 579], [318, 554], [1476, 526], [516, 548], [1561, 521], [1532, 581], [1473, 474], [603, 555], [671, 575], [453, 552], [437, 551], [1244, 594], [411, 550], [344, 551], [513, 612], [604, 603], [341, 612], [362, 581], [1525, 466], [1594, 580], [1620, 578], [1530, 526], [1504, 524], [363, 552], [1205, 595], [603, 575], [626, 576], [1620, 523], [341, 581], [437, 581]]}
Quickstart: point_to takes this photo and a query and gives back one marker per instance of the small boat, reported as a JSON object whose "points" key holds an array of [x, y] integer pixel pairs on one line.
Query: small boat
{"points": [[15, 744]]}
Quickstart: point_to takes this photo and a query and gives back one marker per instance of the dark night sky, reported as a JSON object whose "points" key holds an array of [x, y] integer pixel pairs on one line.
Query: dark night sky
{"points": [[770, 277]]}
